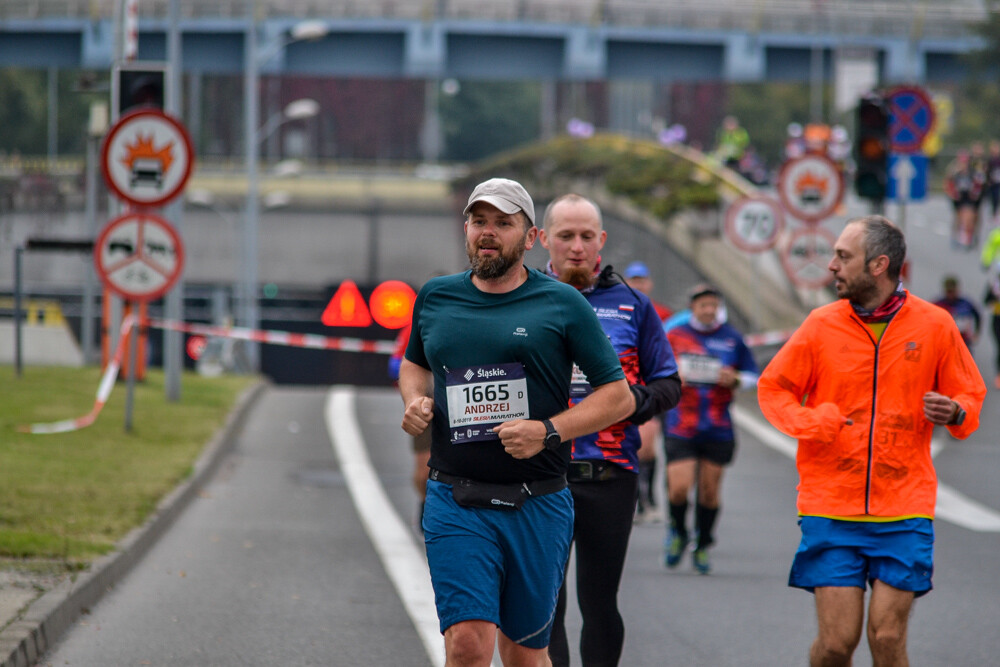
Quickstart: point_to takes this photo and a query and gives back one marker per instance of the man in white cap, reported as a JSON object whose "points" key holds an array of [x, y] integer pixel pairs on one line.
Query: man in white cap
{"points": [[488, 369]]}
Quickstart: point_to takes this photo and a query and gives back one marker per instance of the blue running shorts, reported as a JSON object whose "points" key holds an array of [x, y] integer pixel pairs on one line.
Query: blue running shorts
{"points": [[505, 567], [852, 553]]}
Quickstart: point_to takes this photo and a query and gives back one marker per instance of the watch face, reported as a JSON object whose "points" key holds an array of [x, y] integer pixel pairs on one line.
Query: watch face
{"points": [[552, 441]]}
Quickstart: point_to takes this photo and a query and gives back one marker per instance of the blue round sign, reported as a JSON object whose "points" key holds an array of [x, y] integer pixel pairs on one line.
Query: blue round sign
{"points": [[911, 119]]}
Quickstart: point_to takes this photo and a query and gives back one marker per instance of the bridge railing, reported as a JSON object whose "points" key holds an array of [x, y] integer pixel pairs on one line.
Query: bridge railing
{"points": [[908, 18]]}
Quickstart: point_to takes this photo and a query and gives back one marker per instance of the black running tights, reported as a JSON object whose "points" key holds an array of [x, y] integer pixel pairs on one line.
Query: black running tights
{"points": [[604, 513]]}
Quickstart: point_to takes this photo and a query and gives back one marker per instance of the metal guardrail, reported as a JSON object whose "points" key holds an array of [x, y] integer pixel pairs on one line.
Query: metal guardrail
{"points": [[912, 18]]}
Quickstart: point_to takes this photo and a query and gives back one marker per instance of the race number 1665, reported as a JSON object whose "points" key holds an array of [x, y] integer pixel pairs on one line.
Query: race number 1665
{"points": [[486, 392]]}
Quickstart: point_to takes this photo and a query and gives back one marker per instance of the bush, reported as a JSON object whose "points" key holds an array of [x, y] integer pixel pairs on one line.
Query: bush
{"points": [[651, 176]]}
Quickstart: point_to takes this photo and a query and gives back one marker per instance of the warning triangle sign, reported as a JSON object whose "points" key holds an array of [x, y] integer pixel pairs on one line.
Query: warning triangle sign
{"points": [[347, 308]]}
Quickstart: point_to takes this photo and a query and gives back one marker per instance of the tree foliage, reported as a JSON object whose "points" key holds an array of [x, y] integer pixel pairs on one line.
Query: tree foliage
{"points": [[650, 176], [24, 112], [985, 60], [486, 117], [978, 98], [765, 110]]}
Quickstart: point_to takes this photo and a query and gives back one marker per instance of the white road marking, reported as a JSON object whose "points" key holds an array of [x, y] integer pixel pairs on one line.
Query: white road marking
{"points": [[951, 505], [405, 564]]}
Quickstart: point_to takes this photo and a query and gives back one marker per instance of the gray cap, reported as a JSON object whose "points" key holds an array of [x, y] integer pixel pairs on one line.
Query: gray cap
{"points": [[507, 195]]}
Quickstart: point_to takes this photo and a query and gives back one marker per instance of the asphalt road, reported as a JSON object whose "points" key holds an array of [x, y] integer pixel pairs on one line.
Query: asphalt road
{"points": [[272, 564], [269, 566], [289, 557]]}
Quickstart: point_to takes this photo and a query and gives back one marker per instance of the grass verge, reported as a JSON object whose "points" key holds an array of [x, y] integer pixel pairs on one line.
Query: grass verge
{"points": [[67, 498]]}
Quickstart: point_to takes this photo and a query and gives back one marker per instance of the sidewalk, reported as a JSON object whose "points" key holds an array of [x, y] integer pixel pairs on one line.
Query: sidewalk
{"points": [[35, 610]]}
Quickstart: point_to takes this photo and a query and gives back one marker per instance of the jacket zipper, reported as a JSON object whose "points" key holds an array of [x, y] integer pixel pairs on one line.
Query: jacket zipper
{"points": [[871, 434]]}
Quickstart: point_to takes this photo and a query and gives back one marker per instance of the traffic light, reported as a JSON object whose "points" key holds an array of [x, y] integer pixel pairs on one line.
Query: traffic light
{"points": [[871, 148], [138, 86]]}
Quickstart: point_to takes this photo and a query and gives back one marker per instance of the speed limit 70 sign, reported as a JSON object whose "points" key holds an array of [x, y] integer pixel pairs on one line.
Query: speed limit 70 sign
{"points": [[754, 223]]}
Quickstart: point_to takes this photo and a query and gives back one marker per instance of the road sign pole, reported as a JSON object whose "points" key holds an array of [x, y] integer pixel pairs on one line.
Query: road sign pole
{"points": [[755, 291], [133, 347], [902, 213], [18, 254]]}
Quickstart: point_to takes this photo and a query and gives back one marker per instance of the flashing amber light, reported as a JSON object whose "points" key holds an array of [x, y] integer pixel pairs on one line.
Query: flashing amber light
{"points": [[347, 308], [391, 304]]}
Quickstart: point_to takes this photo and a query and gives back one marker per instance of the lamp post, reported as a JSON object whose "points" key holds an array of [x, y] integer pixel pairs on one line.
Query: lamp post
{"points": [[305, 30], [249, 312], [206, 199]]}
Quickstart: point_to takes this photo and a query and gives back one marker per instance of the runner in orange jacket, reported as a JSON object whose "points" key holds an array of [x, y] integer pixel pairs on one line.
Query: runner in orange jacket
{"points": [[862, 384]]}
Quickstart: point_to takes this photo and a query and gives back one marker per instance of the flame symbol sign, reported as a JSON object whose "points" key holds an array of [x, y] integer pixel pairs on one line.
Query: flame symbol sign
{"points": [[811, 187], [143, 148]]}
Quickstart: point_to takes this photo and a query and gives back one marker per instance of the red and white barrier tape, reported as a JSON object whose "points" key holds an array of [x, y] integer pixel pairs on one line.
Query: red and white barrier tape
{"points": [[313, 341], [103, 391], [273, 337]]}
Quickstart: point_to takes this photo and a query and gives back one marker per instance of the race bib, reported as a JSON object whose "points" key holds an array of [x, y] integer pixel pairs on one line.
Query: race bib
{"points": [[966, 324], [579, 385], [481, 397], [699, 368]]}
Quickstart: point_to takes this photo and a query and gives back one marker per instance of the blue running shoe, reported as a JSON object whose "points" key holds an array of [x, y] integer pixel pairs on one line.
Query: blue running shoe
{"points": [[675, 548], [702, 564]]}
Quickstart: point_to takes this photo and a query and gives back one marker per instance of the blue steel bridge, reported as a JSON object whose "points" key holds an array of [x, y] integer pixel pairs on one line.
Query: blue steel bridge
{"points": [[917, 41]]}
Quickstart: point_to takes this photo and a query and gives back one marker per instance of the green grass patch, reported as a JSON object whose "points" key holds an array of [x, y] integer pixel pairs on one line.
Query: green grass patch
{"points": [[70, 497]]}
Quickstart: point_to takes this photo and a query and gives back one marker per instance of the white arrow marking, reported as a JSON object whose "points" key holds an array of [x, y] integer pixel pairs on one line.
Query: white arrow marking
{"points": [[903, 172]]}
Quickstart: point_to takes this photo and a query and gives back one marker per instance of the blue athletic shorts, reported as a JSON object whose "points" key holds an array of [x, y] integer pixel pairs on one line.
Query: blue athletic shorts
{"points": [[853, 553], [505, 567]]}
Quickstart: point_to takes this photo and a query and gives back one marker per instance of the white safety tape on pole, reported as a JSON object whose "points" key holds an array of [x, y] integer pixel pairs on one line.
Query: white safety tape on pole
{"points": [[103, 391]]}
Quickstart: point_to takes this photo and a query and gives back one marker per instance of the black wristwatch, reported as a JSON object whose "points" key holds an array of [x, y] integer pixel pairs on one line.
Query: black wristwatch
{"points": [[959, 417], [552, 439]]}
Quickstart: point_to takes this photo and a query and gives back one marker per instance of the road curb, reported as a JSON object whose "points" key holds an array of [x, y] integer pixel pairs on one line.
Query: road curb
{"points": [[25, 640]]}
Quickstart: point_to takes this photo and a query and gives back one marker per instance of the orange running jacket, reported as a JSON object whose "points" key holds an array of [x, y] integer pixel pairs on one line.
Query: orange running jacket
{"points": [[833, 369]]}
